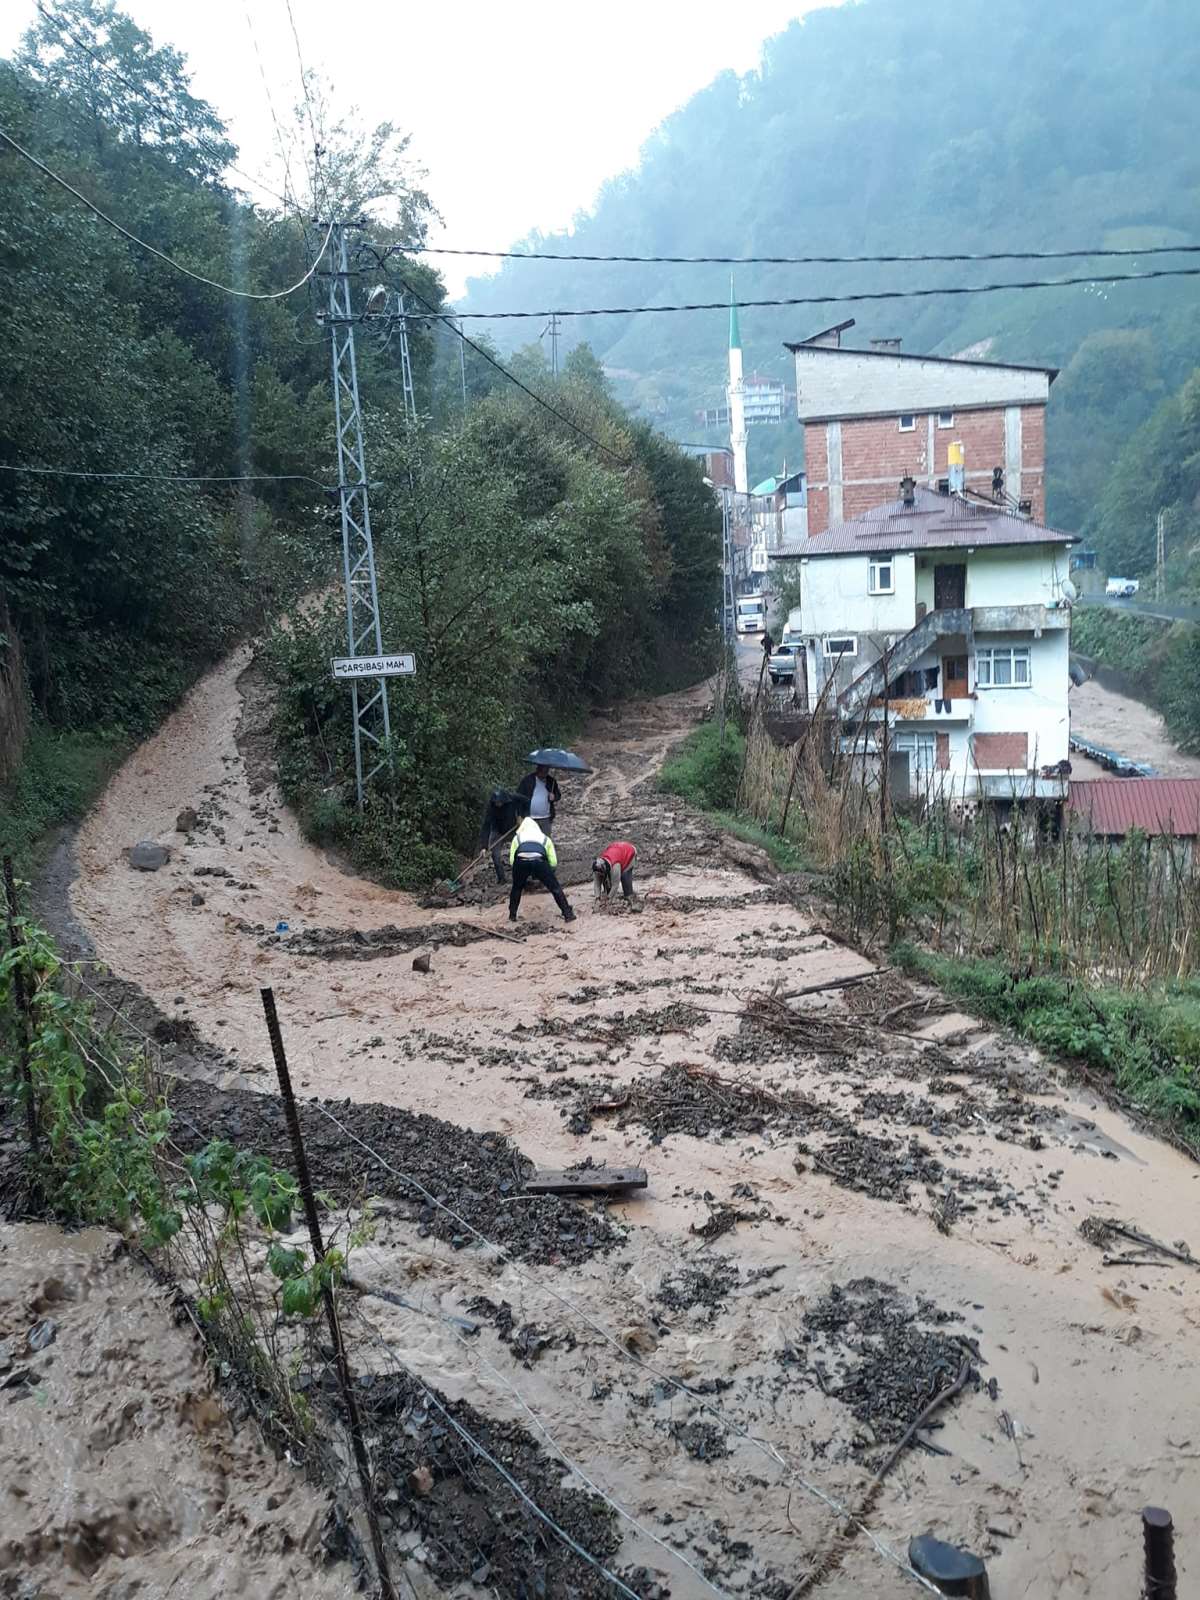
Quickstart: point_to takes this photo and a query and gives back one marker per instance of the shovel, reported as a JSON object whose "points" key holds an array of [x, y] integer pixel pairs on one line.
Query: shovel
{"points": [[454, 885]]}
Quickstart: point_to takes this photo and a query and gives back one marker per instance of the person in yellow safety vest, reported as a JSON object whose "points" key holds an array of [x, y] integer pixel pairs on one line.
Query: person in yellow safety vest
{"points": [[533, 856]]}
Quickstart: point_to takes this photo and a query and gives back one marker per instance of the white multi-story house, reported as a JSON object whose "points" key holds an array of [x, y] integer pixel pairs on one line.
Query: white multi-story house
{"points": [[948, 618]]}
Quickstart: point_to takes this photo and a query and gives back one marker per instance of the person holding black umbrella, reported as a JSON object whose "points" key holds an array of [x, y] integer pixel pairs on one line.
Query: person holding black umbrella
{"points": [[541, 794]]}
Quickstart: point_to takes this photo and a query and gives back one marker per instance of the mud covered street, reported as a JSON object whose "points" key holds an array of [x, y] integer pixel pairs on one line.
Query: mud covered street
{"points": [[854, 1196]]}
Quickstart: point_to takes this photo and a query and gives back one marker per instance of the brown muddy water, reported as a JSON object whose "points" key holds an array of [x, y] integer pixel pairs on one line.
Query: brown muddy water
{"points": [[834, 1221]]}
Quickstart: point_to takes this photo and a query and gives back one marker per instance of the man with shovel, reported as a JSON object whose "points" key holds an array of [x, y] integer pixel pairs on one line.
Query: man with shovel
{"points": [[500, 822]]}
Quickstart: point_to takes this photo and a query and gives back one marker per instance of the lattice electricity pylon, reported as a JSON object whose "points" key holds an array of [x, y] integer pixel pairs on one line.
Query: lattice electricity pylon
{"points": [[410, 399], [364, 636]]}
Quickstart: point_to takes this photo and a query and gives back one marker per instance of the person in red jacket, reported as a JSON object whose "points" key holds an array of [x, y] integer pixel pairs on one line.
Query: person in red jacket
{"points": [[617, 857]]}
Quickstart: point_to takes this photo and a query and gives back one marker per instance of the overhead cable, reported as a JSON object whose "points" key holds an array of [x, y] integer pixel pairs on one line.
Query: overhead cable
{"points": [[432, 314], [769, 1450], [320, 188], [158, 102], [814, 261], [211, 283], [166, 477], [835, 299]]}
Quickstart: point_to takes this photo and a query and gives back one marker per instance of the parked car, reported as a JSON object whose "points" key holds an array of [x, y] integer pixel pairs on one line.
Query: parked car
{"points": [[782, 664]]}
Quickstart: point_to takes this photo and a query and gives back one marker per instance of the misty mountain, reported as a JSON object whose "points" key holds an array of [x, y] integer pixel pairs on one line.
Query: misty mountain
{"points": [[910, 127]]}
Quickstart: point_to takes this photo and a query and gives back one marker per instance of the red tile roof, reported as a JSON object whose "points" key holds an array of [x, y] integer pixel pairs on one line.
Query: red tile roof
{"points": [[1153, 805], [933, 522]]}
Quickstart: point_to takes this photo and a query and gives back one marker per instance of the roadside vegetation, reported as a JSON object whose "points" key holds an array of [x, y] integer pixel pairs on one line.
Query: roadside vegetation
{"points": [[98, 1145], [1088, 950], [534, 575]]}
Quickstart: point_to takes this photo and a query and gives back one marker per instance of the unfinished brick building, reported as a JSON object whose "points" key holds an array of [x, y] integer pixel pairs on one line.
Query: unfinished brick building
{"points": [[872, 417]]}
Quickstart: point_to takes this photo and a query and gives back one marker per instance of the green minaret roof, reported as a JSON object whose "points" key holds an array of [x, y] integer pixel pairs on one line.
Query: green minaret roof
{"points": [[735, 333]]}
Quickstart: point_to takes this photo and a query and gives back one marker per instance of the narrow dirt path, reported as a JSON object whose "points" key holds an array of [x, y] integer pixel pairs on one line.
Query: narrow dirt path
{"points": [[830, 1223]]}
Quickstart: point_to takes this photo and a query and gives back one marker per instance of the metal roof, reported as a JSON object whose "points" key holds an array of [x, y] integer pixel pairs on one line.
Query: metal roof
{"points": [[933, 522], [808, 348], [1152, 805]]}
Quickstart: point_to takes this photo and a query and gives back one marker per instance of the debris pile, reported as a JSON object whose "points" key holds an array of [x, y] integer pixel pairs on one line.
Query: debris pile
{"points": [[888, 1364], [467, 1524], [474, 1176]]}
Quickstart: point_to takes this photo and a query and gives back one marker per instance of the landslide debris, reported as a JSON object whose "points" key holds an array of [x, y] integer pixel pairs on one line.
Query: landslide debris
{"points": [[375, 1150]]}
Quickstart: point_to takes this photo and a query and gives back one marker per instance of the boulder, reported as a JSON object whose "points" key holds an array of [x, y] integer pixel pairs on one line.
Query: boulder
{"points": [[421, 963], [148, 856], [187, 819]]}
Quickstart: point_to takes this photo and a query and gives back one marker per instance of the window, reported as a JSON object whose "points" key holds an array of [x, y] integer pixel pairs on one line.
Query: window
{"points": [[1003, 667], [841, 647], [883, 575], [945, 419], [921, 749], [907, 422]]}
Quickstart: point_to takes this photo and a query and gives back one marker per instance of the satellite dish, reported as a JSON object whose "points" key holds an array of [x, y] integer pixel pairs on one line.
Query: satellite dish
{"points": [[1070, 592]]}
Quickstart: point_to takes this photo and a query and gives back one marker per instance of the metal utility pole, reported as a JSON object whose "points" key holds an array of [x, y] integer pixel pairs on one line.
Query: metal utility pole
{"points": [[728, 636], [554, 343], [364, 637], [410, 399], [1160, 554], [462, 366]]}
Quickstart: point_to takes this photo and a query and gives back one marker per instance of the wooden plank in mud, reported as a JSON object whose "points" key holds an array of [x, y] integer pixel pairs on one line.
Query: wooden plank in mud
{"points": [[591, 1180]]}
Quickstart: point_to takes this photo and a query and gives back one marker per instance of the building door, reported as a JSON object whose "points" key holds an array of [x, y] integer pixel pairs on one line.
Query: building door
{"points": [[921, 751], [950, 586], [954, 677]]}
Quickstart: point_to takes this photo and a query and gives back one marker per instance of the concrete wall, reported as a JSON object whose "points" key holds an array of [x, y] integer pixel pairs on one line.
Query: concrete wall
{"points": [[852, 383], [834, 597]]}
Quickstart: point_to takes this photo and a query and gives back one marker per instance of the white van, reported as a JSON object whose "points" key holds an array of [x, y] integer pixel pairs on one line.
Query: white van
{"points": [[1121, 588]]}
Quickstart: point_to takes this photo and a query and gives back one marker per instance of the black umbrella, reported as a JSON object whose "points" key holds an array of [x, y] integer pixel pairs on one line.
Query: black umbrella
{"points": [[565, 760]]}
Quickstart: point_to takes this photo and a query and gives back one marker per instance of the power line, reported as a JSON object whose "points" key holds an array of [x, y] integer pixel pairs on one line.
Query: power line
{"points": [[320, 189], [813, 261], [241, 294], [167, 477], [539, 1423], [480, 1450], [438, 316], [835, 299], [769, 1450], [262, 72], [158, 102]]}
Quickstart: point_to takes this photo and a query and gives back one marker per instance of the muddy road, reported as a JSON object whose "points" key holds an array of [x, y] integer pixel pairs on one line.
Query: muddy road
{"points": [[842, 1212]]}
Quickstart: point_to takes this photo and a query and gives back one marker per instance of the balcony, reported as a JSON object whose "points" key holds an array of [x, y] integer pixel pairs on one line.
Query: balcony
{"points": [[950, 622], [922, 708]]}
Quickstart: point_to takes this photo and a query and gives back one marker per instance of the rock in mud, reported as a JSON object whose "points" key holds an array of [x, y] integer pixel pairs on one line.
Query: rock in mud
{"points": [[187, 820], [147, 856], [954, 1571], [422, 962]]}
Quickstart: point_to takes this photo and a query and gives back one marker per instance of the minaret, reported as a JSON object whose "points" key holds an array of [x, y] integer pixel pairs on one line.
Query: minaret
{"points": [[737, 402]]}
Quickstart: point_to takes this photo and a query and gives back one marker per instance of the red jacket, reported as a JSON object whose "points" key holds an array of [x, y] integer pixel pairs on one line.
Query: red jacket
{"points": [[621, 853]]}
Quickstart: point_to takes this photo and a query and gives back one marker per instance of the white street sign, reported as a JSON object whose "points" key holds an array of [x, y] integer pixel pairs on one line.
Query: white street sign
{"points": [[374, 666]]}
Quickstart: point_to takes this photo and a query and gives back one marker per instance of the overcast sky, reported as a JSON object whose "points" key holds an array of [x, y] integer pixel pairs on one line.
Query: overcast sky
{"points": [[519, 109]]}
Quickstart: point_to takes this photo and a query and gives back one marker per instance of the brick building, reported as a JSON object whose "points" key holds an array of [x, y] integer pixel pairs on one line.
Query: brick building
{"points": [[872, 417]]}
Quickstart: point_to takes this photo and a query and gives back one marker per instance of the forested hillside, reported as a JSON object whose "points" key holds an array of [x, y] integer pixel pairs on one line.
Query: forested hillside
{"points": [[909, 127], [167, 457]]}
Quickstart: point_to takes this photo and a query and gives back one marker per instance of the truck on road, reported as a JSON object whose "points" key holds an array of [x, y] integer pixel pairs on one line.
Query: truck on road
{"points": [[750, 611]]}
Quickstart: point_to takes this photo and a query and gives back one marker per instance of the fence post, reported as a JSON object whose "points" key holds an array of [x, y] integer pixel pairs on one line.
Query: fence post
{"points": [[345, 1383], [1158, 1534], [22, 996]]}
